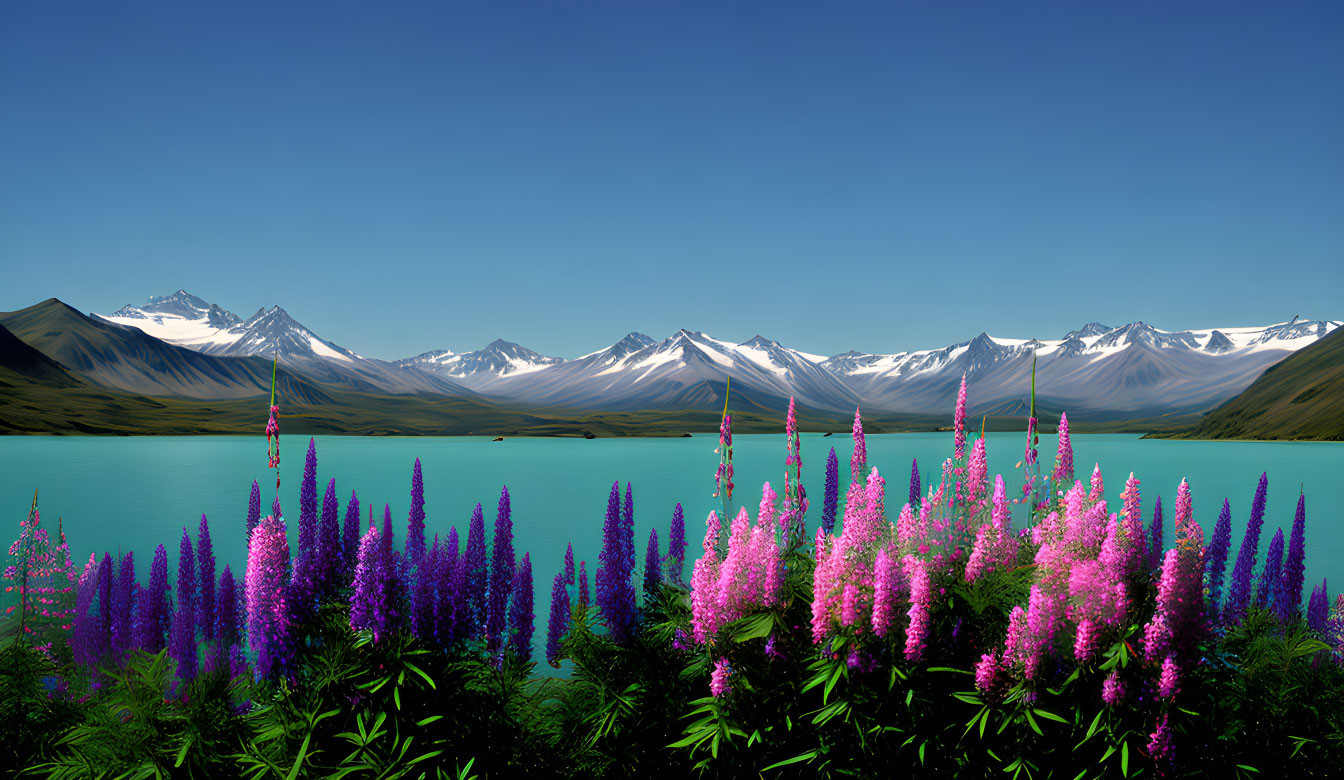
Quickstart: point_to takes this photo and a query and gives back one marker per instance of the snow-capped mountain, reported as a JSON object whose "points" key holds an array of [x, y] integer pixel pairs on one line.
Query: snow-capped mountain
{"points": [[480, 368], [685, 370], [187, 321], [1134, 369], [1096, 370]]}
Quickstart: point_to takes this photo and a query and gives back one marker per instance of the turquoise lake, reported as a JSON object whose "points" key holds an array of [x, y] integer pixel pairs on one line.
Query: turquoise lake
{"points": [[138, 492]]}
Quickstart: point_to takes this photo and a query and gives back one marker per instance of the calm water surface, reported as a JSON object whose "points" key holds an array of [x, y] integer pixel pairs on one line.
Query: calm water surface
{"points": [[138, 492]]}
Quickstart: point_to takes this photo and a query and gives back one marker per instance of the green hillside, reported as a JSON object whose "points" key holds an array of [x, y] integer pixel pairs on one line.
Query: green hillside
{"points": [[1301, 397]]}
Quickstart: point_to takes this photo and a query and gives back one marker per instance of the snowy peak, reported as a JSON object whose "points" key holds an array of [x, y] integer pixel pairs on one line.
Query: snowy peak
{"points": [[1089, 330], [497, 359]]}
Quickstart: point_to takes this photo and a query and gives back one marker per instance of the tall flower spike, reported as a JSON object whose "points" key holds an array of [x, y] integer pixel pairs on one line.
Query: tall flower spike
{"points": [[472, 579], [615, 594], [368, 602], [501, 575], [831, 498], [584, 597], [914, 482], [1318, 608], [415, 522], [226, 610], [183, 648], [653, 570], [1215, 558], [858, 462], [268, 614], [152, 614], [1155, 545], [558, 624], [1063, 473], [959, 422], [205, 608], [520, 610], [567, 572], [123, 606], [253, 508], [1288, 602], [1269, 578], [1239, 591], [676, 547], [329, 545], [350, 536]]}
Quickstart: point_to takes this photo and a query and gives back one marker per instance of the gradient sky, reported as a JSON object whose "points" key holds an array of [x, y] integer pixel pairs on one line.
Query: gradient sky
{"points": [[404, 177]]}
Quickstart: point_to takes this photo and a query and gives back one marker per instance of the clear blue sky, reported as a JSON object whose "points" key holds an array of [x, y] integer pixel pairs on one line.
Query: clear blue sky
{"points": [[404, 177]]}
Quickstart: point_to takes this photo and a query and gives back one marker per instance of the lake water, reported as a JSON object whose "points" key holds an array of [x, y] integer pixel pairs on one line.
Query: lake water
{"points": [[134, 493]]}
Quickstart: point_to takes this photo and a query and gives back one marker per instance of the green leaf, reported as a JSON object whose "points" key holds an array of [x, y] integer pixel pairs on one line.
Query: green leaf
{"points": [[949, 669], [757, 627], [808, 756], [835, 677], [1124, 758], [1091, 730], [1032, 722], [1248, 768], [1049, 715], [421, 672]]}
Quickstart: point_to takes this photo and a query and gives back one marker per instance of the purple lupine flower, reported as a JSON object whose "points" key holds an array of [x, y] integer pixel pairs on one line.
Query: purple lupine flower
{"points": [[1155, 550], [183, 645], [959, 423], [1239, 590], [653, 570], [558, 625], [369, 603], [676, 548], [275, 507], [101, 636], [520, 610], [858, 462], [1318, 608], [501, 576], [1063, 473], [1215, 558], [445, 604], [423, 593], [628, 528], [584, 599], [329, 548], [415, 522], [1160, 745], [253, 508], [568, 571], [831, 498], [470, 581], [205, 608], [615, 594], [152, 606], [1269, 578], [123, 606], [305, 580], [226, 610], [350, 536], [1288, 600], [266, 587], [914, 482], [82, 628]]}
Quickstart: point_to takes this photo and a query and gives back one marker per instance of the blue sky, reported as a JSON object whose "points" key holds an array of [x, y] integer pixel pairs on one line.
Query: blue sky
{"points": [[835, 176]]}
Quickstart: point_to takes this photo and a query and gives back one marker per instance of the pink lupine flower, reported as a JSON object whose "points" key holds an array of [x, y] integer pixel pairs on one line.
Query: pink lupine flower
{"points": [[959, 422], [859, 460], [987, 676], [718, 679], [977, 473], [887, 581], [1085, 642], [1098, 487], [766, 513], [1183, 508], [1169, 681], [1160, 741], [1113, 689], [1063, 472]]}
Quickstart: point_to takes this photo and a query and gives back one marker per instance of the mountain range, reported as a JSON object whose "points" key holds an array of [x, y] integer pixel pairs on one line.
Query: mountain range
{"points": [[1096, 372]]}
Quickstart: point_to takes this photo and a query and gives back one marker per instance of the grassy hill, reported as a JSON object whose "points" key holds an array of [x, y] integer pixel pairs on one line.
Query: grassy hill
{"points": [[1301, 397]]}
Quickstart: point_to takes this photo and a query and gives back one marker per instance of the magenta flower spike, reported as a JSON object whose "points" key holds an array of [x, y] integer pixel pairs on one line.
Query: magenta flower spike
{"points": [[266, 585], [1063, 473], [959, 423], [858, 462]]}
